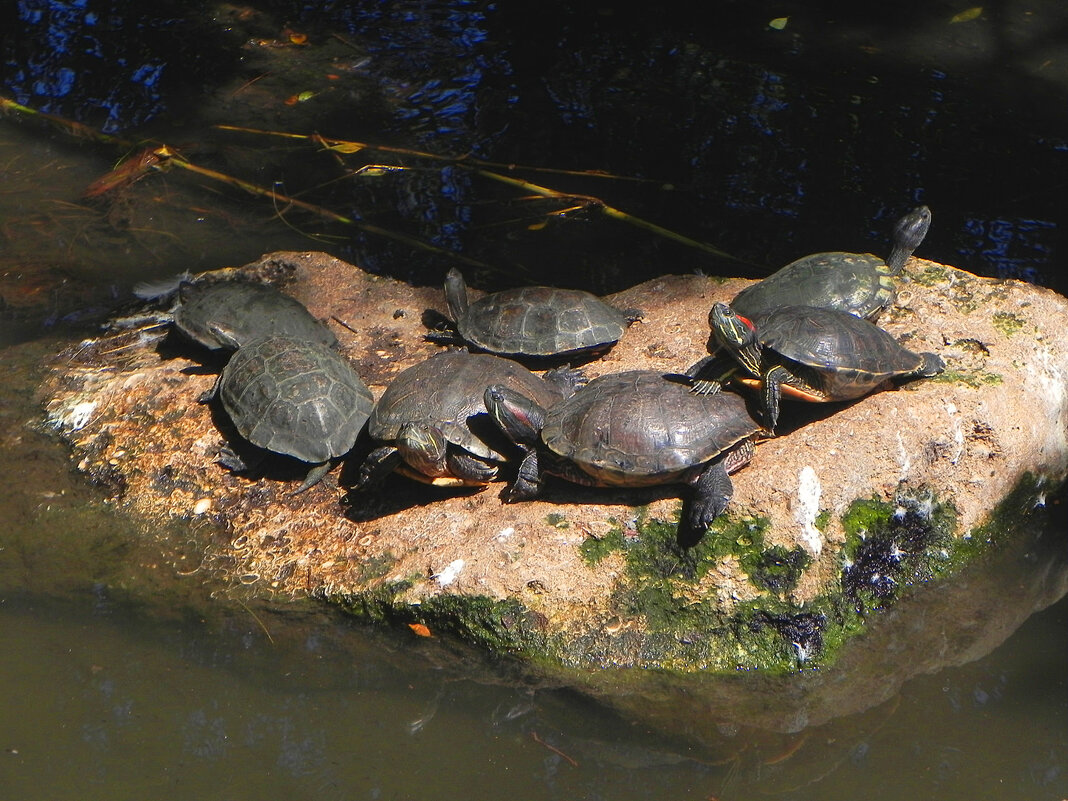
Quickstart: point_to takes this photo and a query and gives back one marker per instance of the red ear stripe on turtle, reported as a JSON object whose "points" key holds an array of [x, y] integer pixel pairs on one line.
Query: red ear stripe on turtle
{"points": [[747, 321]]}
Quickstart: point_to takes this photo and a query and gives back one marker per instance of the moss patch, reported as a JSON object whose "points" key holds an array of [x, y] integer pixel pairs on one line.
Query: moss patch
{"points": [[931, 275], [556, 520], [680, 612], [971, 378], [1007, 323]]}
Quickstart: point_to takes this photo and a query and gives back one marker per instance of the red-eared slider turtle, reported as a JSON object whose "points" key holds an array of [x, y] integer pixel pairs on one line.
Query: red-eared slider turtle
{"points": [[815, 354], [246, 311], [859, 283], [294, 397], [433, 425], [632, 429], [536, 321]]}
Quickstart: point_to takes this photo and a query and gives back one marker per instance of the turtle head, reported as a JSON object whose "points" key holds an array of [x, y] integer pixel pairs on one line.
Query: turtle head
{"points": [[909, 232], [423, 447], [227, 336], [456, 293], [737, 335], [518, 416]]}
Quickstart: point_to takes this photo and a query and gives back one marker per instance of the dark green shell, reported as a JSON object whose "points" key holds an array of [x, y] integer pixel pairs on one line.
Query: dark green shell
{"points": [[639, 429], [294, 397], [447, 391], [247, 311], [851, 354], [541, 321]]}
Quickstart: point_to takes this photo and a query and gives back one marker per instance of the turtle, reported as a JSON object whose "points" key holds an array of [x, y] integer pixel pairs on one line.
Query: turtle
{"points": [[814, 354], [433, 426], [294, 397], [632, 429], [533, 321], [246, 311], [859, 283]]}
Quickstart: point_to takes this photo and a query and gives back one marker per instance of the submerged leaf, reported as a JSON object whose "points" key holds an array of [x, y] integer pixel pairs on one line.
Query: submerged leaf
{"points": [[778, 23], [967, 15]]}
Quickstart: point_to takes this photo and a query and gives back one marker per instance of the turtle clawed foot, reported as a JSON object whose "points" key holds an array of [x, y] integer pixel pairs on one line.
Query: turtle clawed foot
{"points": [[697, 518]]}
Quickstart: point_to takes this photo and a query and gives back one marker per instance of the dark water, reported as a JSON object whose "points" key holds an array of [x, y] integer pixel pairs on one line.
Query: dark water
{"points": [[763, 143]]}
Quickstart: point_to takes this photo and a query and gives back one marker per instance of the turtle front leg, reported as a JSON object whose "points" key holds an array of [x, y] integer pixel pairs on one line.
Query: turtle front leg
{"points": [[774, 378], [712, 489], [711, 492], [708, 376], [469, 468], [379, 463], [527, 482]]}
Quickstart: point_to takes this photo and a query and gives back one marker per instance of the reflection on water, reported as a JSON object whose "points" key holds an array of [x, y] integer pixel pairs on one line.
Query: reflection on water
{"points": [[766, 143], [106, 704]]}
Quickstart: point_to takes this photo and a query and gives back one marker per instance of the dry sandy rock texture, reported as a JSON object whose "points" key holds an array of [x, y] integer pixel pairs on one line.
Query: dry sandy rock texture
{"points": [[127, 404]]}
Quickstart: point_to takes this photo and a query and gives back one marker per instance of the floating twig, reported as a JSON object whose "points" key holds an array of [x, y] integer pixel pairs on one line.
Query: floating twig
{"points": [[574, 763]]}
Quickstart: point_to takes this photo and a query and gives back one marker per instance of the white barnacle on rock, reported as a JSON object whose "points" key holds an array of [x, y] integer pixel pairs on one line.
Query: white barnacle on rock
{"points": [[808, 508], [906, 460], [78, 416], [449, 574], [958, 431], [1053, 386]]}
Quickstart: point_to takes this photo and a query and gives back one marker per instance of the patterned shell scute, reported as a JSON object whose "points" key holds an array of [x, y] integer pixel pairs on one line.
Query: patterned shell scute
{"points": [[858, 283], [638, 428], [541, 321], [249, 311], [295, 397], [834, 340], [447, 391]]}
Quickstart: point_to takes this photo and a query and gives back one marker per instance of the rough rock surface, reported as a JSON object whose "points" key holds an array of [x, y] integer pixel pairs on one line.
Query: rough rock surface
{"points": [[995, 421]]}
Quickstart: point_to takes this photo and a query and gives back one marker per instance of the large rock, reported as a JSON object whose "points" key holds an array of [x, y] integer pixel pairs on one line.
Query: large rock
{"points": [[849, 504]]}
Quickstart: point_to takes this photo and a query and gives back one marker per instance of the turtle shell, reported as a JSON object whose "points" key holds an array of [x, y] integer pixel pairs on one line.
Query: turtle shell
{"points": [[247, 311], [852, 354], [858, 283], [447, 391], [541, 321], [294, 397], [637, 428]]}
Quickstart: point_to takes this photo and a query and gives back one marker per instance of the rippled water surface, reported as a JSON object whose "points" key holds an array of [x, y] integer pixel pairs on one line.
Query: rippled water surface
{"points": [[734, 145]]}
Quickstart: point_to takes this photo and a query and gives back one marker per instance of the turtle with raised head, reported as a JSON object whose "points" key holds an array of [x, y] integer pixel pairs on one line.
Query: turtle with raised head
{"points": [[432, 423], [293, 397], [246, 311], [533, 321], [814, 354], [632, 429], [859, 283]]}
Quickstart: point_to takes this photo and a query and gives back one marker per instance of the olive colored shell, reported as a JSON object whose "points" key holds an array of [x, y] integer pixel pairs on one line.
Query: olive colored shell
{"points": [[639, 429], [246, 311], [294, 397], [541, 321], [854, 355], [858, 283], [447, 391]]}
